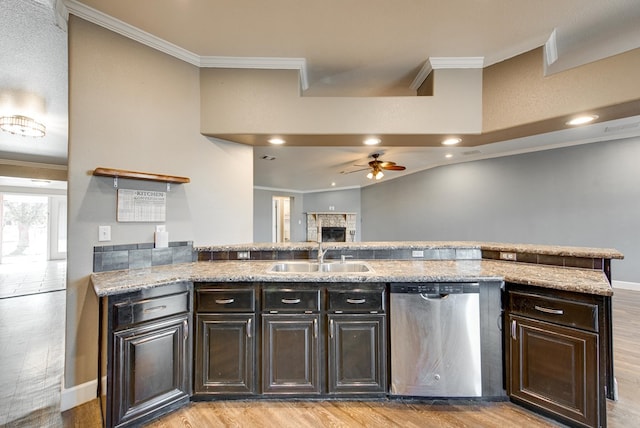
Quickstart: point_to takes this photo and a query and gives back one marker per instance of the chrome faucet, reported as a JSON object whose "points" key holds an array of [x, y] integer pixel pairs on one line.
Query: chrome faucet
{"points": [[321, 253], [343, 258]]}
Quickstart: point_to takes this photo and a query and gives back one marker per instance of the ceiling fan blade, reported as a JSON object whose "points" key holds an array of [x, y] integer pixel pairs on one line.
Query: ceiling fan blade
{"points": [[394, 167], [385, 164], [355, 170]]}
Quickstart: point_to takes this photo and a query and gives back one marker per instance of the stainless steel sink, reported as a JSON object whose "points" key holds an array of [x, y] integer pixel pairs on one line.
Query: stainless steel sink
{"points": [[337, 267], [294, 267], [344, 267]]}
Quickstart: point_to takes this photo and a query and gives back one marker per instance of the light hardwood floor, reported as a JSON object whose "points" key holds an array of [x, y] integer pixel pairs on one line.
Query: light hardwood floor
{"points": [[381, 413]]}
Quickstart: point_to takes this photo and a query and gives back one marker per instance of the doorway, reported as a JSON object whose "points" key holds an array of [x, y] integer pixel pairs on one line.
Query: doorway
{"points": [[281, 219], [33, 243]]}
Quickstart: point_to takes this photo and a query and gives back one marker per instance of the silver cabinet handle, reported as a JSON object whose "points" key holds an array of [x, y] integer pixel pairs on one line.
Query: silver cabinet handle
{"points": [[290, 301], [315, 328], [331, 328], [249, 327], [514, 330], [549, 310], [356, 301], [155, 308], [185, 324], [225, 301]]}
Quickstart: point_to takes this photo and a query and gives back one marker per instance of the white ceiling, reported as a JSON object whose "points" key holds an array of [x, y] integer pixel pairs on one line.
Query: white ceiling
{"points": [[33, 67], [354, 48]]}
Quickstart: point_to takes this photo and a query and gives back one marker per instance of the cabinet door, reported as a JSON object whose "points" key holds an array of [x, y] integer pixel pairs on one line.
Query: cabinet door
{"points": [[291, 353], [554, 368], [357, 354], [151, 370], [225, 349]]}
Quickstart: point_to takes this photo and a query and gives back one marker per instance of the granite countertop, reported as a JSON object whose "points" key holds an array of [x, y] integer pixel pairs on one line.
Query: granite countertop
{"points": [[561, 278], [554, 250]]}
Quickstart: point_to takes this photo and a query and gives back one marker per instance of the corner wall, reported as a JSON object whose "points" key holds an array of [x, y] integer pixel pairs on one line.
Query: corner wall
{"points": [[132, 107], [583, 195]]}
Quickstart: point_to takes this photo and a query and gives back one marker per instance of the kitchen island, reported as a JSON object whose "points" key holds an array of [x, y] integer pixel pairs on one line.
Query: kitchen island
{"points": [[565, 274]]}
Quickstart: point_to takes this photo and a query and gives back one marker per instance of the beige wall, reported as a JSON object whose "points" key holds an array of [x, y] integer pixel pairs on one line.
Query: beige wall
{"points": [[132, 107], [516, 92], [269, 101]]}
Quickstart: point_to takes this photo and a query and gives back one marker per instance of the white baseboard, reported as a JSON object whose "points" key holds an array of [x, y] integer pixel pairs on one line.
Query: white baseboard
{"points": [[77, 395], [624, 285]]}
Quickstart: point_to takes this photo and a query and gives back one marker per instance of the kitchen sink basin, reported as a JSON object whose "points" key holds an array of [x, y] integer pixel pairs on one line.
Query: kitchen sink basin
{"points": [[295, 267], [337, 267], [344, 267]]}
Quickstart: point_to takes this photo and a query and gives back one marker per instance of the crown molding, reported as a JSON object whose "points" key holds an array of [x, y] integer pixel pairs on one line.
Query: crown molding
{"points": [[61, 14], [434, 63], [265, 63], [421, 76], [441, 62], [330, 189], [551, 49], [120, 27]]}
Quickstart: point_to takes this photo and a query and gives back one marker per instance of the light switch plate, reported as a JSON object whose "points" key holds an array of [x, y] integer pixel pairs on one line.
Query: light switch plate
{"points": [[104, 233]]}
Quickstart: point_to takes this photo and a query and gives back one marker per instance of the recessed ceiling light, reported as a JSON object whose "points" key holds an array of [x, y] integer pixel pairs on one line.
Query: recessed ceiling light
{"points": [[581, 120], [372, 141], [451, 141], [333, 183], [276, 141], [448, 155]]}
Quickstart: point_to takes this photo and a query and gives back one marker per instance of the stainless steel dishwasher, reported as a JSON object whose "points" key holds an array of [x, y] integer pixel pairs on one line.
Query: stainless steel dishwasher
{"points": [[435, 339]]}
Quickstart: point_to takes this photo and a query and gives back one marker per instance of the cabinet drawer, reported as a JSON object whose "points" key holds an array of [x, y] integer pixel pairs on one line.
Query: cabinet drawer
{"points": [[560, 311], [226, 300], [288, 300], [127, 313], [356, 300]]}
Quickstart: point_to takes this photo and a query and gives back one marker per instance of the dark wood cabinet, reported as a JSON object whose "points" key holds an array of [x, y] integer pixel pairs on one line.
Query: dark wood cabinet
{"points": [[225, 353], [145, 354], [225, 340], [150, 369], [357, 354], [357, 339], [552, 349], [291, 353]]}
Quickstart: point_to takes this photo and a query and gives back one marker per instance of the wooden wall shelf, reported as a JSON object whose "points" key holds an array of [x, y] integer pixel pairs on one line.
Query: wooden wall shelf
{"points": [[121, 173]]}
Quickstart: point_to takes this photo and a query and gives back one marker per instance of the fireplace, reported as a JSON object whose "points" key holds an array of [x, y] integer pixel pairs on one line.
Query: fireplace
{"points": [[331, 226], [334, 234]]}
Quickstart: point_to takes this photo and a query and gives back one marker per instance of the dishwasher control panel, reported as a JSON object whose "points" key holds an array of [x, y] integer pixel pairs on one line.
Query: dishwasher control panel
{"points": [[436, 288]]}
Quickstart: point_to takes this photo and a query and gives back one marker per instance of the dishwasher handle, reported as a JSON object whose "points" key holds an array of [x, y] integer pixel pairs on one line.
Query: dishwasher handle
{"points": [[426, 296]]}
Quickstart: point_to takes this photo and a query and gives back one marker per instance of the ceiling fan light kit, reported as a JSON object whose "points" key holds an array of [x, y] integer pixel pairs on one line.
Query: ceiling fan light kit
{"points": [[377, 166]]}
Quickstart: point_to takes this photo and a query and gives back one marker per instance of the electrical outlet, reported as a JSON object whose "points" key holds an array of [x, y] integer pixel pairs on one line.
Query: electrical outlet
{"points": [[417, 253], [104, 233], [507, 256], [244, 255]]}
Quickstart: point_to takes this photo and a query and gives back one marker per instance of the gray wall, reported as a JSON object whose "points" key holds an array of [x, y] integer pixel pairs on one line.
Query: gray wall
{"points": [[341, 200], [585, 195], [262, 215], [134, 108]]}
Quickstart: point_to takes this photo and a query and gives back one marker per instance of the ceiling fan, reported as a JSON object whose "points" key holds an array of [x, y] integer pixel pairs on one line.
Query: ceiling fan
{"points": [[376, 166]]}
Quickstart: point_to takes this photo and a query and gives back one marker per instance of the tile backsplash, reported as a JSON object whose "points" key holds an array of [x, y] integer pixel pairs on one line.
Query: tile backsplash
{"points": [[135, 256]]}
